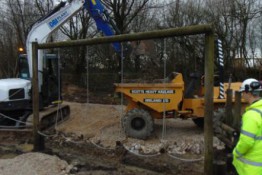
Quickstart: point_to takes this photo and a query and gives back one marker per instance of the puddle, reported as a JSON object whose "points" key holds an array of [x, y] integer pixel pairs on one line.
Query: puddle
{"points": [[11, 151], [8, 156]]}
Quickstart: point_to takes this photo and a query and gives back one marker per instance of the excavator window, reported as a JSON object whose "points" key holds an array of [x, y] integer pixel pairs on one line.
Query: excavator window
{"points": [[23, 68], [51, 64]]}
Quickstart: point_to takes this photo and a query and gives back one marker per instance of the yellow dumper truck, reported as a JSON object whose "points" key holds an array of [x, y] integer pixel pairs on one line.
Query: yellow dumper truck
{"points": [[149, 101]]}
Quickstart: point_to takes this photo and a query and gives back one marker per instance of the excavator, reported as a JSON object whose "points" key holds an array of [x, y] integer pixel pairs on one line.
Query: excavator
{"points": [[16, 93]]}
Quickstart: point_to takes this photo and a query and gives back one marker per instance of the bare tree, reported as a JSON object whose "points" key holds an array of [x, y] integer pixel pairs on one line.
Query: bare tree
{"points": [[22, 14], [185, 53], [232, 19], [102, 56], [8, 50], [78, 27], [14, 28], [16, 20], [44, 7], [124, 12]]}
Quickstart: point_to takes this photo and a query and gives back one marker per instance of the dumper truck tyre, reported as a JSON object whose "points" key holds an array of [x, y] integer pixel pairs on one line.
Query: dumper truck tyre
{"points": [[199, 121], [218, 117], [138, 123]]}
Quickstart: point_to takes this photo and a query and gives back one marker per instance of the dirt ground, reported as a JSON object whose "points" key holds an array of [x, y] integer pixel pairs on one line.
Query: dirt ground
{"points": [[91, 141], [100, 125]]}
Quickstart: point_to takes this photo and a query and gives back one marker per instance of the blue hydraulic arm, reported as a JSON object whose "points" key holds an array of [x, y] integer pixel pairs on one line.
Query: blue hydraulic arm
{"points": [[103, 21]]}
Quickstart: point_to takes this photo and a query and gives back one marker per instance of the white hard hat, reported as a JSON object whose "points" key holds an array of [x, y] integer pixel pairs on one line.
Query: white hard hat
{"points": [[250, 84]]}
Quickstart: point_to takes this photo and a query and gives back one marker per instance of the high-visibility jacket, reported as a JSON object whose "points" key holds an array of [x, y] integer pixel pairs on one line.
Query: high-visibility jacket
{"points": [[248, 151]]}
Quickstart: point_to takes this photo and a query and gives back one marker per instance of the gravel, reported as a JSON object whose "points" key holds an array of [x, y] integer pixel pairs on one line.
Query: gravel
{"points": [[34, 164]]}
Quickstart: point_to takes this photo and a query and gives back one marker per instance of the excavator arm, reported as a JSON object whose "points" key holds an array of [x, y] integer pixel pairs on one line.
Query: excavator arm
{"points": [[103, 21], [61, 14]]}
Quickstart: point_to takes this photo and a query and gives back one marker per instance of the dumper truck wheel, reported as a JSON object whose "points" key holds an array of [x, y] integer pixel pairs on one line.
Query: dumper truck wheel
{"points": [[218, 117], [199, 122], [138, 123]]}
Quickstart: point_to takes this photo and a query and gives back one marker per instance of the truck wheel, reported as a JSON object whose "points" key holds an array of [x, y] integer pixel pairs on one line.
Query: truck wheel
{"points": [[218, 117], [199, 122], [138, 123]]}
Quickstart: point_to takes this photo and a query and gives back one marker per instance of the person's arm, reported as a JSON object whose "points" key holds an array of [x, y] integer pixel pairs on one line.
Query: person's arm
{"points": [[248, 134]]}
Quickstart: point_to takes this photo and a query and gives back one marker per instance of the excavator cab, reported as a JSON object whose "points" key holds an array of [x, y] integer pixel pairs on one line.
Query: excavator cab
{"points": [[50, 88]]}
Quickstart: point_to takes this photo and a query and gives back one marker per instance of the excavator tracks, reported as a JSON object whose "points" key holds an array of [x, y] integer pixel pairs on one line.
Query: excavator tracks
{"points": [[49, 118]]}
